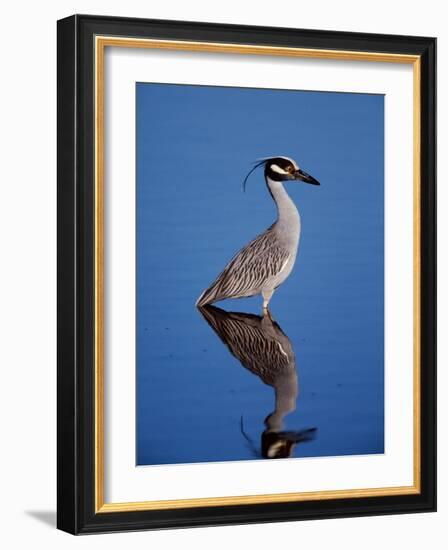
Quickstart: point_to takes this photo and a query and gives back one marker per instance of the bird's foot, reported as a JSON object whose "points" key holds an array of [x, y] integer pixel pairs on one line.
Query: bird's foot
{"points": [[267, 313]]}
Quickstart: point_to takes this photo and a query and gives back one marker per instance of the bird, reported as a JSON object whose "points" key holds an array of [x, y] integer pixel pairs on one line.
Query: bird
{"points": [[262, 348], [266, 261]]}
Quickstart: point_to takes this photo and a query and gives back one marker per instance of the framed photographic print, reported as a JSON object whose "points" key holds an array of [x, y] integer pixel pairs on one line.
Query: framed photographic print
{"points": [[246, 274]]}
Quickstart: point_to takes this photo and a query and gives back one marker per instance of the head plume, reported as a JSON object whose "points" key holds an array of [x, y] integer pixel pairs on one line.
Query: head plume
{"points": [[258, 163]]}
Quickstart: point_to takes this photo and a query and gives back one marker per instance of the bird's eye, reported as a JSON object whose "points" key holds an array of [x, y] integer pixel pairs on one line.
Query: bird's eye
{"points": [[290, 169]]}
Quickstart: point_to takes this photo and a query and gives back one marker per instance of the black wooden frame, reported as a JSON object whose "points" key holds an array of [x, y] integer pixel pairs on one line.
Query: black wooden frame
{"points": [[76, 513]]}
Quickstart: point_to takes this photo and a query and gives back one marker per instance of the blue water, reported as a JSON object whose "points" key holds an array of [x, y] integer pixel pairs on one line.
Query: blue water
{"points": [[194, 147]]}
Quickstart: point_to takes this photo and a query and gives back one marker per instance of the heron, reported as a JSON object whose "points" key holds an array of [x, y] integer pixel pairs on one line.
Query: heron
{"points": [[262, 348], [266, 261]]}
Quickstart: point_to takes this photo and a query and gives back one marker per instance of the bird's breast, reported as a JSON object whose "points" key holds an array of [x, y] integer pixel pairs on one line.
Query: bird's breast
{"points": [[288, 234]]}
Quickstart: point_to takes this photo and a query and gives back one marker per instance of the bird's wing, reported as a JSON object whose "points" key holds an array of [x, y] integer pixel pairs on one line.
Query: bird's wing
{"points": [[257, 342], [260, 260]]}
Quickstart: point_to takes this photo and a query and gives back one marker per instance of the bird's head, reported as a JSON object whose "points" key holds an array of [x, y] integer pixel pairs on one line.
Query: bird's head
{"points": [[282, 444], [282, 169]]}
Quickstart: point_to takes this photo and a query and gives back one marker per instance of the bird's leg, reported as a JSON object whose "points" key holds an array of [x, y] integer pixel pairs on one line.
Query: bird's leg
{"points": [[267, 295], [267, 314]]}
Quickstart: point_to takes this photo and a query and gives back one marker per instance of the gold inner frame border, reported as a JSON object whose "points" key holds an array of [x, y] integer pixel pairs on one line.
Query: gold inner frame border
{"points": [[100, 44]]}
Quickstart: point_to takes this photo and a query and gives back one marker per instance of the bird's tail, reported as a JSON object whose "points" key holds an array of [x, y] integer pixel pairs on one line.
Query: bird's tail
{"points": [[209, 296]]}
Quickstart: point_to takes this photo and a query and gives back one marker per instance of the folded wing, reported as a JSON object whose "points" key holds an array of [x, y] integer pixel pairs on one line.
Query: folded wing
{"points": [[248, 271]]}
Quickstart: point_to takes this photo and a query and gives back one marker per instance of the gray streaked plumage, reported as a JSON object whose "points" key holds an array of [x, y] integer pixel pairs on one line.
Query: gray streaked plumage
{"points": [[257, 342], [246, 274], [263, 348], [262, 265]]}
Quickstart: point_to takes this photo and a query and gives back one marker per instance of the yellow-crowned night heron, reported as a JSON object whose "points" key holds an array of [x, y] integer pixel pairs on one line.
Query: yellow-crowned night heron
{"points": [[262, 265], [263, 348]]}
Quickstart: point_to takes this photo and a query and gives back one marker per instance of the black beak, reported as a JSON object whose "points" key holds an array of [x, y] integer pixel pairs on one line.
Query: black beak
{"points": [[298, 437], [303, 176]]}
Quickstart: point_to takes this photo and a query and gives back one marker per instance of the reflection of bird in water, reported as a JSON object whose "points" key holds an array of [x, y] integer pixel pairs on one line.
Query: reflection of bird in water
{"points": [[262, 347], [263, 264]]}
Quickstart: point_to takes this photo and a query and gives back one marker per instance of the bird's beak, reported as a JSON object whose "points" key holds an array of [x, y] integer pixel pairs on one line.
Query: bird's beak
{"points": [[298, 437], [303, 176]]}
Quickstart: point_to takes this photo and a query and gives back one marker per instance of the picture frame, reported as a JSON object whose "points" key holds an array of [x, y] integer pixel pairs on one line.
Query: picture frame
{"points": [[82, 196]]}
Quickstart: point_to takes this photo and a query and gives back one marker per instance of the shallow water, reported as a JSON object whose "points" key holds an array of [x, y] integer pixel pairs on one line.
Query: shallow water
{"points": [[194, 146]]}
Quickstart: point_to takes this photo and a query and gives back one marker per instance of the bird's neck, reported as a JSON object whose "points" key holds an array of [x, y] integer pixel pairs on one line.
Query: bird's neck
{"points": [[286, 392], [287, 213]]}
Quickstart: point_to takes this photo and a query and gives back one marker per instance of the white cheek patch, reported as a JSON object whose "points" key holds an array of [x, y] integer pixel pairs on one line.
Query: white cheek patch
{"points": [[274, 448], [276, 168]]}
